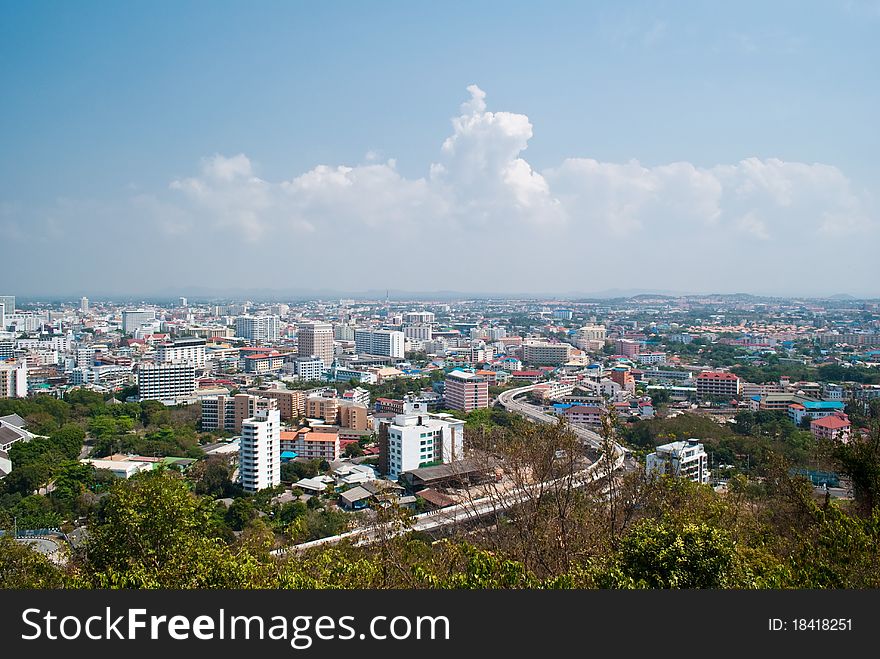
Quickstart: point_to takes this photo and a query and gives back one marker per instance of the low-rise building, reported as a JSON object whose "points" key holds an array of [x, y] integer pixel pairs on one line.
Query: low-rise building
{"points": [[814, 409], [313, 445], [834, 427], [584, 415]]}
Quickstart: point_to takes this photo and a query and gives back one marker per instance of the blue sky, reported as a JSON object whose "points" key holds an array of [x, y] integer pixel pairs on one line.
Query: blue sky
{"points": [[157, 127]]}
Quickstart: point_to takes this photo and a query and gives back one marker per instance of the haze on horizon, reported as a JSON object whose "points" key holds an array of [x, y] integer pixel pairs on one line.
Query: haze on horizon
{"points": [[658, 146]]}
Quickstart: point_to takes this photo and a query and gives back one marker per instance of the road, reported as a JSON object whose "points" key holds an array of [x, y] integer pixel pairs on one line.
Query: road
{"points": [[488, 504]]}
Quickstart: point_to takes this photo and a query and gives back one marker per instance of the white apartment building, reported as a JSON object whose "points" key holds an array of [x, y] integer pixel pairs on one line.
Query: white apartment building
{"points": [[13, 379], [651, 358], [84, 356], [343, 332], [388, 343], [417, 439], [181, 351], [309, 368], [8, 302], [495, 333], [540, 353], [683, 459], [84, 305], [418, 332], [169, 383], [259, 455], [590, 337], [316, 340], [258, 328], [132, 319]]}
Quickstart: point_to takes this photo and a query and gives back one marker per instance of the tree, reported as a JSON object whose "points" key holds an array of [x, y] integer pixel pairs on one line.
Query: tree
{"points": [[23, 567], [860, 460], [240, 513], [27, 478], [212, 476], [659, 555], [152, 532]]}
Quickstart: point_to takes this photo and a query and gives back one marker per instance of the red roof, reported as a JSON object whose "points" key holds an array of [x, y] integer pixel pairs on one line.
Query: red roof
{"points": [[832, 422], [527, 373], [715, 375]]}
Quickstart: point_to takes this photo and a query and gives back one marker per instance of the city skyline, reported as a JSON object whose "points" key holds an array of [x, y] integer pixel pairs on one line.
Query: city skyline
{"points": [[322, 161]]}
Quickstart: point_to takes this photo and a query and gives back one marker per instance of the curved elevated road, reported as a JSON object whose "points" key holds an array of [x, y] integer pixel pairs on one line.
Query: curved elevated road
{"points": [[488, 504]]}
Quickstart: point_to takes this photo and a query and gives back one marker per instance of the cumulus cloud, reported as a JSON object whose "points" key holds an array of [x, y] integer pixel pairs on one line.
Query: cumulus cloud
{"points": [[595, 224], [481, 181]]}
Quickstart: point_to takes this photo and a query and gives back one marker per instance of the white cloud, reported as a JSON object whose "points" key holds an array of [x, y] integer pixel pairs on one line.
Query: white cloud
{"points": [[481, 204], [481, 188]]}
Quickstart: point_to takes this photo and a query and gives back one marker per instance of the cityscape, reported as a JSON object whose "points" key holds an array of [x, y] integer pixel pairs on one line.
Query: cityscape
{"points": [[301, 298], [315, 424]]}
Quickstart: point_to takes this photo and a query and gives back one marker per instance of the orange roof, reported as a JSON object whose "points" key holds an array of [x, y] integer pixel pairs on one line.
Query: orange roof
{"points": [[321, 437], [832, 422], [715, 375]]}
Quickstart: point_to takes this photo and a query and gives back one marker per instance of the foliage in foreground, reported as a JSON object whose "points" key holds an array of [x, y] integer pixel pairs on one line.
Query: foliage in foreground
{"points": [[153, 532]]}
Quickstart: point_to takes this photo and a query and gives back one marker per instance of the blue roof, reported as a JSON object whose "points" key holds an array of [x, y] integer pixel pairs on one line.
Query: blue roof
{"points": [[823, 405], [288, 455]]}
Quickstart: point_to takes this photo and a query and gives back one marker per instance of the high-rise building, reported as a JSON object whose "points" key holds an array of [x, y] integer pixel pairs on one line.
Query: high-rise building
{"points": [[258, 328], [418, 332], [291, 403], [179, 351], [316, 340], [259, 455], [417, 438], [627, 347], [321, 407], [170, 383], [84, 356], [84, 304], [8, 302], [229, 412], [13, 379], [182, 301], [590, 337], [388, 343], [717, 383], [132, 319], [343, 332], [543, 353], [465, 391]]}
